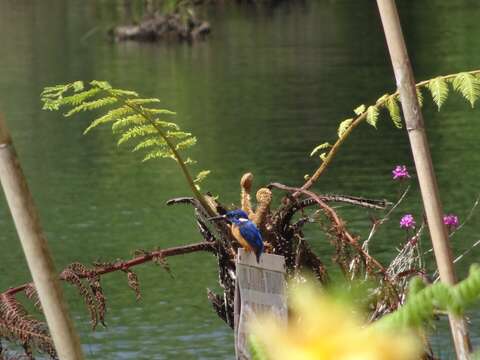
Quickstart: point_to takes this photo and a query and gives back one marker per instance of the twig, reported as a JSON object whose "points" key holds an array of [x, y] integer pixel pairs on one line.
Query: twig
{"points": [[467, 219], [457, 259], [145, 257], [334, 218], [380, 222]]}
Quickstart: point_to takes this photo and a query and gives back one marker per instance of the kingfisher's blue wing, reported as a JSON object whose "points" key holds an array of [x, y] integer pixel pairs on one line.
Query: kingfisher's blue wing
{"points": [[252, 235]]}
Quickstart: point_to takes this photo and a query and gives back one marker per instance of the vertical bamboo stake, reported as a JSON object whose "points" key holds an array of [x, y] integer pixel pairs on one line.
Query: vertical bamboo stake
{"points": [[423, 162], [36, 251]]}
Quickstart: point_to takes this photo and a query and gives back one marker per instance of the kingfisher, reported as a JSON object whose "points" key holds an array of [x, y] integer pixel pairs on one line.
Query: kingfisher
{"points": [[244, 231]]}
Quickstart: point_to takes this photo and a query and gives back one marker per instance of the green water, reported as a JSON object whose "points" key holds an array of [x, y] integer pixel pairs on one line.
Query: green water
{"points": [[267, 86]]}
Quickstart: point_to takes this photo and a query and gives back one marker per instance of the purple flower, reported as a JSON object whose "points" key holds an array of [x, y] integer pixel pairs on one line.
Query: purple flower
{"points": [[407, 221], [451, 221], [400, 172]]}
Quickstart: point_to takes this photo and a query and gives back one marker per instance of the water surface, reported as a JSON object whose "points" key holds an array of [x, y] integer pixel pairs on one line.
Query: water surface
{"points": [[260, 93]]}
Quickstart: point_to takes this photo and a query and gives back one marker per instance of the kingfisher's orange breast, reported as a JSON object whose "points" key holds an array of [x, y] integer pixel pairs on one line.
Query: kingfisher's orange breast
{"points": [[236, 234]]}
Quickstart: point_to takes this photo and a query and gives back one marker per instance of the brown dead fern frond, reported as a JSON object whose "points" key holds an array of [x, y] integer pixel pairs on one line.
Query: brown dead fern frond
{"points": [[101, 301], [31, 294], [17, 326], [161, 260], [70, 276], [133, 283]]}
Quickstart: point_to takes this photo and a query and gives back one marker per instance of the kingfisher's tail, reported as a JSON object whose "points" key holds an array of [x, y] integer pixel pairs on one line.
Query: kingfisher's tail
{"points": [[258, 254]]}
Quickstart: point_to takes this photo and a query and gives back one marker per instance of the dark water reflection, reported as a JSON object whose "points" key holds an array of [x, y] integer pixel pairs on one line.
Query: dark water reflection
{"points": [[267, 87]]}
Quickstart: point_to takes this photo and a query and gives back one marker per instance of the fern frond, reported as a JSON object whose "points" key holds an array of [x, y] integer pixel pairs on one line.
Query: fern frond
{"points": [[359, 110], [372, 115], [104, 85], [344, 125], [92, 105], [394, 111], [72, 278], [419, 96], [158, 111], [168, 125], [133, 283], [111, 116], [467, 85], [323, 146], [159, 154], [151, 142], [32, 295], [381, 99], [189, 161], [136, 131], [17, 325], [439, 89], [125, 93], [201, 176], [142, 101], [130, 120], [185, 144]]}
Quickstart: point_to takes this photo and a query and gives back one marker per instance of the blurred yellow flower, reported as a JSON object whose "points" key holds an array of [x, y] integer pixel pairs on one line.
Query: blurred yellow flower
{"points": [[323, 329]]}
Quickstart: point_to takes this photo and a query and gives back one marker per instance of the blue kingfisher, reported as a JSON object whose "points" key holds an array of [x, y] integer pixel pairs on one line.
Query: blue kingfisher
{"points": [[244, 231]]}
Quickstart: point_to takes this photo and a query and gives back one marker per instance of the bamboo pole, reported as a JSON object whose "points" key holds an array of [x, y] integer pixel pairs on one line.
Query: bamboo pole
{"points": [[36, 251], [423, 162]]}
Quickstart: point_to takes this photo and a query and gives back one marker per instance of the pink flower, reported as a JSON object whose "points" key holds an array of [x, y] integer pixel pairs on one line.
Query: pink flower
{"points": [[451, 221], [407, 221], [400, 172]]}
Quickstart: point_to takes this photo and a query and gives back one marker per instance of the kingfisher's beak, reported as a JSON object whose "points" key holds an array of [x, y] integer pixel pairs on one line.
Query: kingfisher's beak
{"points": [[219, 217]]}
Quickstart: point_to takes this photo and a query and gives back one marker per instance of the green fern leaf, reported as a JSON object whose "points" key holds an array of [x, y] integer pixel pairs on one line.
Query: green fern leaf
{"points": [[92, 105], [151, 142], [178, 134], [325, 145], [419, 96], [344, 125], [111, 116], [142, 101], [372, 115], [190, 161], [201, 176], [467, 85], [439, 90], [79, 98], [104, 85], [394, 111], [55, 90], [381, 99], [159, 154], [131, 120], [124, 93], [359, 110], [158, 111], [186, 143], [78, 86], [137, 131]]}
